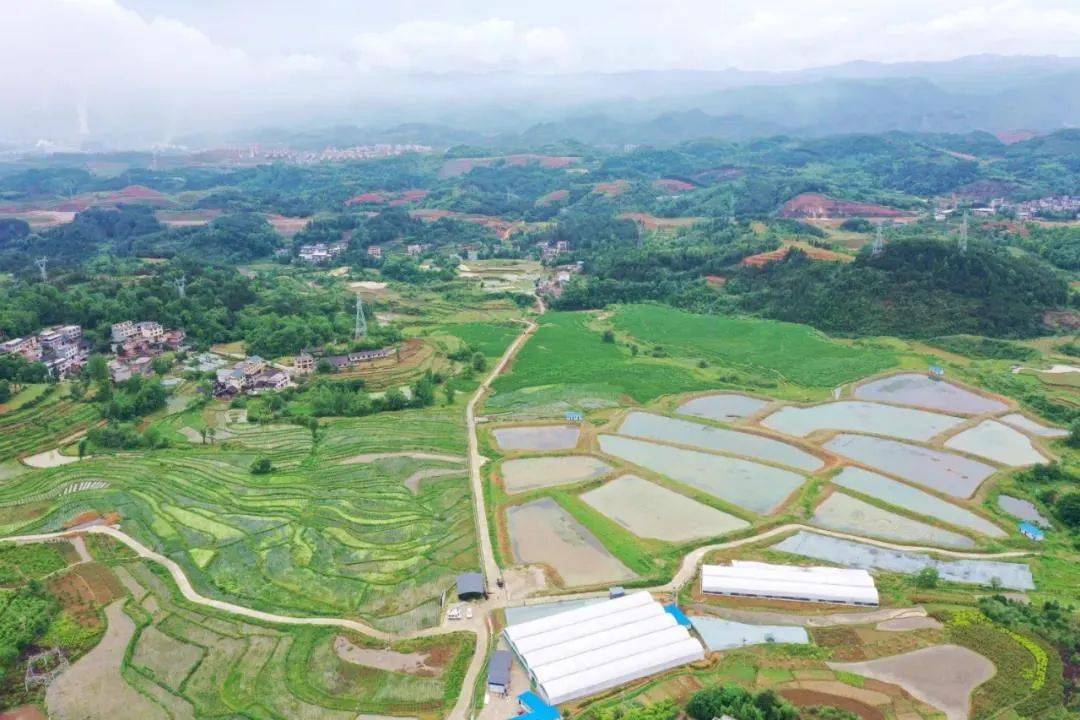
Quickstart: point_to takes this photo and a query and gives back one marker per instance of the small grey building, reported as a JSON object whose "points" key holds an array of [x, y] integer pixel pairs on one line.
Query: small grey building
{"points": [[471, 586], [499, 672]]}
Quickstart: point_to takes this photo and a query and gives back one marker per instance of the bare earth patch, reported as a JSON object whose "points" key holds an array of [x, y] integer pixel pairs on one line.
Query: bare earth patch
{"points": [[97, 675], [413, 481], [49, 459], [909, 623], [412, 663], [372, 457], [943, 676]]}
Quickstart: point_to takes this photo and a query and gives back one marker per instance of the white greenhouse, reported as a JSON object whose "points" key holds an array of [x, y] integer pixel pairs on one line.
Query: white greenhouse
{"points": [[589, 649], [846, 586]]}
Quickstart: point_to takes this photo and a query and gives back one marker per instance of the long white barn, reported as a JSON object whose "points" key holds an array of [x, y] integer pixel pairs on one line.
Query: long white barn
{"points": [[589, 649], [846, 586]]}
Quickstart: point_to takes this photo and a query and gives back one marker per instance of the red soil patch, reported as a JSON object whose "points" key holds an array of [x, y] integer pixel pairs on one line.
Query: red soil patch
{"points": [[612, 189], [553, 197], [82, 519], [814, 253], [186, 218], [135, 194], [715, 281], [671, 185], [84, 589], [651, 222], [74, 205], [1014, 136], [500, 227], [813, 205], [286, 226], [413, 195], [720, 174], [26, 712], [379, 197], [1062, 320], [368, 198], [809, 698]]}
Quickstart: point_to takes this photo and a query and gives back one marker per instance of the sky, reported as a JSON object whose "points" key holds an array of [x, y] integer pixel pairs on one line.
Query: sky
{"points": [[81, 65]]}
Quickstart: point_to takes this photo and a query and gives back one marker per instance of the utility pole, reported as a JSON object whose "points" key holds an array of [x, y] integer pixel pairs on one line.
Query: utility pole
{"points": [[41, 262], [963, 242], [879, 241], [181, 286], [361, 321]]}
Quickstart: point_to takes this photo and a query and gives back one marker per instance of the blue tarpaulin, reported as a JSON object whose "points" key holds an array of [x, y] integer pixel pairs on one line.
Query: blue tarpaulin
{"points": [[536, 707]]}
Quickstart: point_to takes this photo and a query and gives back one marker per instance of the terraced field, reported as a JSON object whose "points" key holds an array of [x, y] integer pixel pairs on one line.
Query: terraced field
{"points": [[316, 536], [28, 430]]}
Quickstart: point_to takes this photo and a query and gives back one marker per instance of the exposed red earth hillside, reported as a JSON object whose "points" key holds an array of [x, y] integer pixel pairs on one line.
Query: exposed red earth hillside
{"points": [[614, 188], [651, 222], [814, 253], [553, 197], [671, 185], [813, 205]]}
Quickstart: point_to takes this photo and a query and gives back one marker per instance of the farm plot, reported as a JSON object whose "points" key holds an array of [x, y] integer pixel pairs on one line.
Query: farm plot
{"points": [[1023, 422], [649, 510], [542, 532], [997, 442], [904, 496], [857, 416], [1023, 509], [537, 437], [524, 474], [945, 472], [943, 676], [848, 514], [40, 427], [683, 432], [750, 485], [723, 407], [1014, 576], [284, 444], [720, 634], [920, 391]]}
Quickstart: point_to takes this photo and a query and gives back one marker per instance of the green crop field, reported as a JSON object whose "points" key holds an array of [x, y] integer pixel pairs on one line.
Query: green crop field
{"points": [[568, 364], [489, 339], [190, 660], [41, 426], [316, 536], [795, 353]]}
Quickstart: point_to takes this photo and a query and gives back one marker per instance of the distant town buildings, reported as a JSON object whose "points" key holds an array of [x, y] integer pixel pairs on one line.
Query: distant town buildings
{"points": [[320, 253], [60, 348], [333, 154]]}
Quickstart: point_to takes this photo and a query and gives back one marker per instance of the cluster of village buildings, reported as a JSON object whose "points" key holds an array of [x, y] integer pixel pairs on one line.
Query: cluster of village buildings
{"points": [[136, 344], [549, 251], [319, 253], [251, 375], [332, 154], [61, 348], [1060, 206], [554, 285]]}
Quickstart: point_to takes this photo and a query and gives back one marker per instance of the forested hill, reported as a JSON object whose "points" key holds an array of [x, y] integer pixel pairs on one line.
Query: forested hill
{"points": [[915, 288]]}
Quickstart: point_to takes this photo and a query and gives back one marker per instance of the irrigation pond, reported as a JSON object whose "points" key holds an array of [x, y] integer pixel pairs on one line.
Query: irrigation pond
{"points": [[859, 416], [845, 513], [922, 391], [1023, 509], [537, 437], [997, 442], [1023, 422], [524, 474], [720, 634], [723, 407]]}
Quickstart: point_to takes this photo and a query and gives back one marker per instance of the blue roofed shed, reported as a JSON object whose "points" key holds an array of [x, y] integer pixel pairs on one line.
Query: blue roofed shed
{"points": [[574, 417], [535, 708], [1030, 531], [680, 617]]}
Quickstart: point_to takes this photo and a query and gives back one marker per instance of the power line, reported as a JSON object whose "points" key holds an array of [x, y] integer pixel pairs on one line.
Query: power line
{"points": [[879, 241], [962, 243], [361, 321]]}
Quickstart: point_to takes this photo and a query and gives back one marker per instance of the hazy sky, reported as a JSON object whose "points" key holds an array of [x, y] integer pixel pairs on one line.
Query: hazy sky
{"points": [[85, 63]]}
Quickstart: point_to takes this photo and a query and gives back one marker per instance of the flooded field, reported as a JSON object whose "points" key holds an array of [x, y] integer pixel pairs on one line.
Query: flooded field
{"points": [[683, 432], [1023, 509], [868, 417], [920, 391], [998, 442], [537, 437], [945, 472], [848, 514], [649, 510], [720, 634], [724, 407], [522, 474], [1013, 576], [750, 485], [543, 532], [1023, 422], [897, 493]]}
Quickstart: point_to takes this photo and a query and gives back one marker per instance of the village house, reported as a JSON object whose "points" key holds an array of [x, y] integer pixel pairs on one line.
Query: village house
{"points": [[375, 251], [251, 375], [28, 347], [304, 363], [60, 348], [319, 253]]}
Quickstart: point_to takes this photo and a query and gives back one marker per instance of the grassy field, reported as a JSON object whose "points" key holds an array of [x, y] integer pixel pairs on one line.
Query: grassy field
{"points": [[795, 353], [317, 536]]}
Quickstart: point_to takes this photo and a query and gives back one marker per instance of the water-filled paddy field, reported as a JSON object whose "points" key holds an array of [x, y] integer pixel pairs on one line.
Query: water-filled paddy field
{"points": [[750, 485], [720, 634], [543, 532], [683, 432], [723, 407], [845, 513], [858, 416], [523, 474], [998, 442], [537, 437], [1023, 509], [1023, 422], [1014, 576], [652, 511], [947, 473], [920, 391], [897, 493]]}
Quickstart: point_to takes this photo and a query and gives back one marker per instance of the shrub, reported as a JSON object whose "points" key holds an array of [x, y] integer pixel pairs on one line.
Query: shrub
{"points": [[261, 466]]}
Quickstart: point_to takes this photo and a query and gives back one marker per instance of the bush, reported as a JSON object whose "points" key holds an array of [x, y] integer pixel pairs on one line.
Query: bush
{"points": [[609, 336], [733, 700], [261, 466], [1068, 509], [927, 578]]}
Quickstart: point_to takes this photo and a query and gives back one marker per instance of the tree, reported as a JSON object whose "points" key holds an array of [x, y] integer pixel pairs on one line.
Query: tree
{"points": [[448, 393], [261, 466], [161, 364], [5, 391], [423, 392], [82, 448], [1068, 509], [609, 336], [479, 362], [97, 368], [733, 700], [1074, 434], [927, 578]]}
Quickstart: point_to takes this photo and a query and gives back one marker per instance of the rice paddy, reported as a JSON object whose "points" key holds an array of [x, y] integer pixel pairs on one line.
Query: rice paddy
{"points": [[918, 501], [997, 442], [524, 474], [649, 510], [720, 634], [944, 472], [1023, 422], [537, 437], [722, 407], [1023, 509], [858, 416], [670, 430], [919, 390], [849, 514], [742, 483], [543, 533]]}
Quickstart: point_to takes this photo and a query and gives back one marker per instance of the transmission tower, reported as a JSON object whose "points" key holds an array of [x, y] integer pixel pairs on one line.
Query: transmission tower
{"points": [[361, 321], [181, 286], [41, 262], [963, 241], [731, 207], [879, 241]]}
